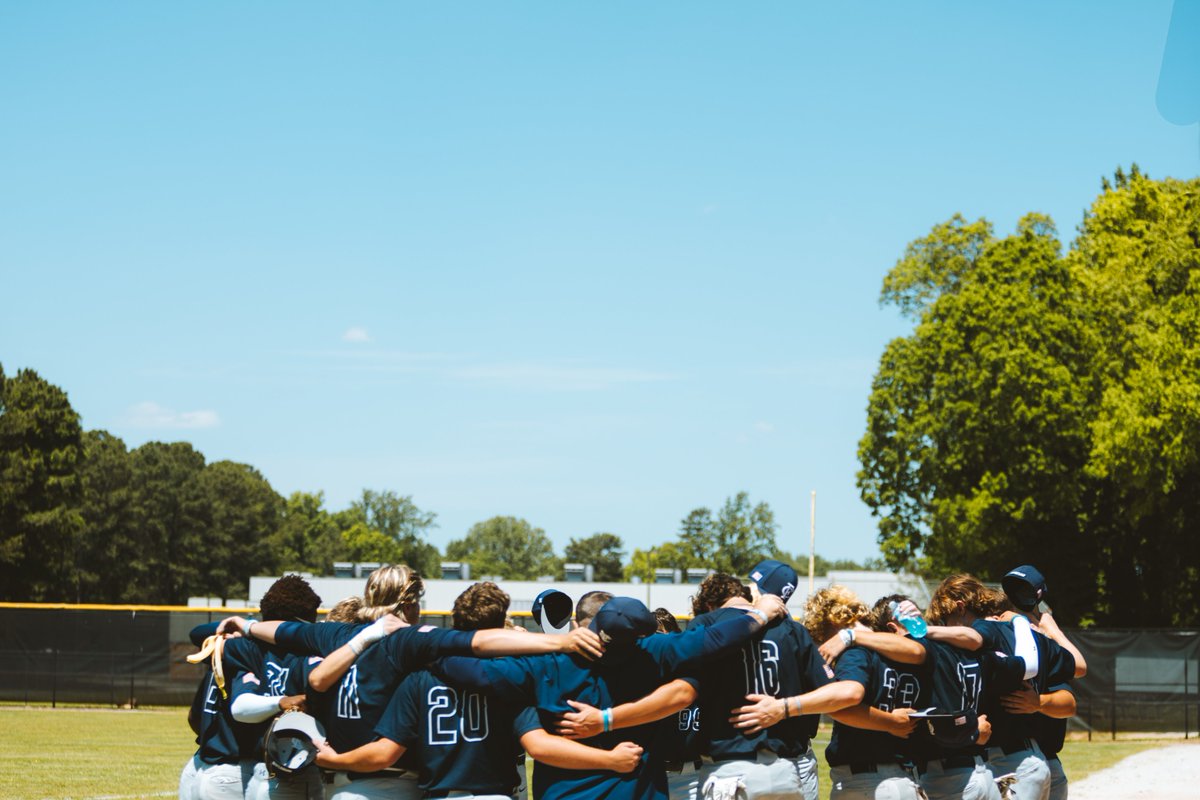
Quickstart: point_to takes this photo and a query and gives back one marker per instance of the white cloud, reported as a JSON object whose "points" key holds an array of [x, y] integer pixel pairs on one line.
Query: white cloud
{"points": [[356, 334], [152, 415]]}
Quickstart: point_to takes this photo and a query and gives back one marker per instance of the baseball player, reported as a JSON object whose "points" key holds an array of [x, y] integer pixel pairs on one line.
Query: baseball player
{"points": [[964, 603], [865, 762], [239, 695], [756, 740]]}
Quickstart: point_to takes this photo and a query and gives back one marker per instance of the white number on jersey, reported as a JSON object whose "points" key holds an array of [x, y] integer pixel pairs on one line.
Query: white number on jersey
{"points": [[452, 716], [968, 681], [761, 665], [347, 699], [900, 690], [689, 719]]}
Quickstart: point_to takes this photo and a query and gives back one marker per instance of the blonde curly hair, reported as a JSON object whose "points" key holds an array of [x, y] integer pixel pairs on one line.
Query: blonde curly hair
{"points": [[828, 611], [392, 588]]}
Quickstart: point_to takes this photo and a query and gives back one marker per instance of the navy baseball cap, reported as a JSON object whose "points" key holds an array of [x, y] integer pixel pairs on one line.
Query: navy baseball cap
{"points": [[622, 621], [1025, 587], [552, 611], [775, 577], [952, 728]]}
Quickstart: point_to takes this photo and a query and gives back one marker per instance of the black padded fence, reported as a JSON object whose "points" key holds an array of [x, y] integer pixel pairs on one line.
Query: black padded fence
{"points": [[1139, 681]]}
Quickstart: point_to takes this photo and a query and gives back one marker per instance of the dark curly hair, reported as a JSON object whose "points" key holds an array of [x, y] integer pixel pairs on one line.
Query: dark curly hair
{"points": [[715, 589], [483, 605], [290, 598], [666, 621]]}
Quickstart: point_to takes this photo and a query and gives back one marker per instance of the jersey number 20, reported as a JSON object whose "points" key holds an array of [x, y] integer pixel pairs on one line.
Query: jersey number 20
{"points": [[452, 716]]}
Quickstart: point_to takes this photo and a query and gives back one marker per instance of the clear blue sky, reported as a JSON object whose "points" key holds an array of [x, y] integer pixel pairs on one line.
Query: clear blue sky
{"points": [[593, 265]]}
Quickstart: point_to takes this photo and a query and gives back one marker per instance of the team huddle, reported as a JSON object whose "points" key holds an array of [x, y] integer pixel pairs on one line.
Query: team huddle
{"points": [[968, 700]]}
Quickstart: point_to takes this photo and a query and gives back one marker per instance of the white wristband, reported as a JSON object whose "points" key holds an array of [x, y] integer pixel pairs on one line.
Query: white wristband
{"points": [[762, 615], [367, 636]]}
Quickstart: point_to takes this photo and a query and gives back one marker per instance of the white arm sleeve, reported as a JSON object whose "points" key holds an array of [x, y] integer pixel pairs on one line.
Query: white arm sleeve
{"points": [[254, 707], [1026, 647]]}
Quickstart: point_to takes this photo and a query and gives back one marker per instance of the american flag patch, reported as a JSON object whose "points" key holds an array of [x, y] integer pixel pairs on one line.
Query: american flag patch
{"points": [[828, 670], [249, 678], [315, 660], [425, 628]]}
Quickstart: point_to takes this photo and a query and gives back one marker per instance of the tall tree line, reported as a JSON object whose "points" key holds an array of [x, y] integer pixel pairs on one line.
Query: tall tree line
{"points": [[1045, 407]]}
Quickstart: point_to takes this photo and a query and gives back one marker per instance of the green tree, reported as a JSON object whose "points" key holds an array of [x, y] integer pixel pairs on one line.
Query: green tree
{"points": [[170, 513], [399, 519], [363, 543], [735, 540], [1045, 407], [40, 448], [244, 514], [107, 542], [508, 547], [308, 539], [668, 555], [605, 551]]}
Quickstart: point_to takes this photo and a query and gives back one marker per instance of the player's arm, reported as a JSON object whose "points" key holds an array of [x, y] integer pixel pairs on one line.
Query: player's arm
{"points": [[867, 717], [960, 636], [567, 754], [1059, 703], [763, 711], [501, 642], [678, 651], [201, 632], [326, 674], [1049, 628], [893, 647], [587, 721], [370, 757]]}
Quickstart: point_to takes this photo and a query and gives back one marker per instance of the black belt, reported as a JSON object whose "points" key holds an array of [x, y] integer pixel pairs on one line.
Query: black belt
{"points": [[859, 767], [952, 762], [1016, 746], [385, 773], [463, 792], [677, 766]]}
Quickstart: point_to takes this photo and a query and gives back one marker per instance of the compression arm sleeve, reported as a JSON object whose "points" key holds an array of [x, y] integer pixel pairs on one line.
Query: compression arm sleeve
{"points": [[250, 707], [1025, 646]]}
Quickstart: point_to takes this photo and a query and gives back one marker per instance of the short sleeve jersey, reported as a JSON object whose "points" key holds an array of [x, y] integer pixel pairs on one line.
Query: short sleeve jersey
{"points": [[351, 709], [547, 682], [463, 741], [222, 739], [1055, 665], [887, 686], [960, 679], [780, 661]]}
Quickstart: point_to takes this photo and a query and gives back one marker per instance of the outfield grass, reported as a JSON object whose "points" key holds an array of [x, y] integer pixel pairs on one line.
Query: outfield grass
{"points": [[82, 753], [91, 753]]}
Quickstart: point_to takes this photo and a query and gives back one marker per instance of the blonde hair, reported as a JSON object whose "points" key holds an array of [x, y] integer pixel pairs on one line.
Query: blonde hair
{"points": [[829, 610], [976, 598], [346, 610], [388, 588]]}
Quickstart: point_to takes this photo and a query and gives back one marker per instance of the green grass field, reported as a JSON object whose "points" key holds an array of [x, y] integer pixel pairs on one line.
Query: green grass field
{"points": [[96, 753]]}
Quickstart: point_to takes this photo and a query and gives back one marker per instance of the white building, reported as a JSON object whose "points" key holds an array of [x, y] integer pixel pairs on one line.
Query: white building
{"points": [[675, 596]]}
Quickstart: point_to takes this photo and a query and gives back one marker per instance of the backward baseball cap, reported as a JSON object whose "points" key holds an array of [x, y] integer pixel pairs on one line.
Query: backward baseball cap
{"points": [[775, 577], [622, 621]]}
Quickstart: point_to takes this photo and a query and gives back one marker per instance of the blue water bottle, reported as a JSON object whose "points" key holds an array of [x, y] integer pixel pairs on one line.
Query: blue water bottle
{"points": [[913, 623]]}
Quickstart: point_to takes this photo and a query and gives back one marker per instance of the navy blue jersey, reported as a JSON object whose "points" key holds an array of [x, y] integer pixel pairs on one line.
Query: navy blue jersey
{"points": [[620, 676], [350, 710], [222, 739], [678, 737], [267, 670], [781, 661], [960, 680], [1055, 665], [1049, 731], [887, 686], [463, 741]]}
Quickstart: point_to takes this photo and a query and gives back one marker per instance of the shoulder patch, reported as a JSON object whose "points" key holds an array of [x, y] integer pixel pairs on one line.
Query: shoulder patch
{"points": [[315, 660], [425, 629], [249, 677], [828, 670]]}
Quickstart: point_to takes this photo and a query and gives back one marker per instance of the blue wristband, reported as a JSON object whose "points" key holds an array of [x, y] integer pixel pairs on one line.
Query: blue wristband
{"points": [[606, 719]]}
